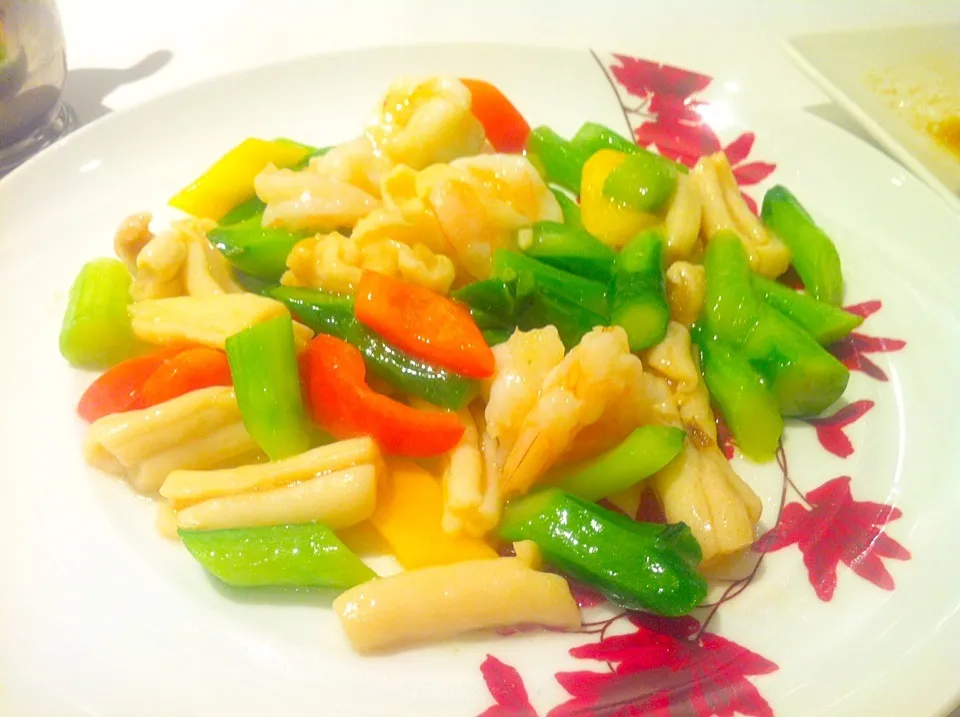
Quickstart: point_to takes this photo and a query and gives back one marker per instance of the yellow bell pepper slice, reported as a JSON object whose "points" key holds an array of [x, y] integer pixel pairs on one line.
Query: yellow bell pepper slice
{"points": [[408, 514], [364, 540], [610, 221], [230, 180]]}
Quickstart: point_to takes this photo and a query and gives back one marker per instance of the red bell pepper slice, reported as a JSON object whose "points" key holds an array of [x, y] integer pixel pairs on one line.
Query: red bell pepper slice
{"points": [[145, 381], [423, 323], [506, 128], [118, 389], [189, 370], [345, 406]]}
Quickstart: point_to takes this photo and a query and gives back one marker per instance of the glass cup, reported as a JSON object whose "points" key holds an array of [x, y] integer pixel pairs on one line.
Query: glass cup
{"points": [[32, 71]]}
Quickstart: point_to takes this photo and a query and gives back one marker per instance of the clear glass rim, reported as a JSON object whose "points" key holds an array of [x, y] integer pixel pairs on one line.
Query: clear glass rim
{"points": [[64, 121]]}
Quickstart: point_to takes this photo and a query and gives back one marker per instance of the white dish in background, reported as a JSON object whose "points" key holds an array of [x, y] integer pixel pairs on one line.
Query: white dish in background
{"points": [[895, 82], [101, 616]]}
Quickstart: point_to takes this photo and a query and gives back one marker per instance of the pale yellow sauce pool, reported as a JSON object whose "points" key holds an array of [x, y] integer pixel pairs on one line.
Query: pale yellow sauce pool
{"points": [[926, 93]]}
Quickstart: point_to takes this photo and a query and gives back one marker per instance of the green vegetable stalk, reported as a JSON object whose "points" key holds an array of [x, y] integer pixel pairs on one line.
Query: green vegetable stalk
{"points": [[591, 295], [592, 137], [545, 308], [96, 330], [305, 555], [568, 248], [569, 207], [643, 182], [749, 409], [824, 322], [496, 335], [485, 321], [638, 565], [263, 363], [253, 284], [250, 209], [804, 377], [333, 314], [638, 300], [641, 454], [519, 300], [255, 250], [493, 297], [815, 256], [562, 163]]}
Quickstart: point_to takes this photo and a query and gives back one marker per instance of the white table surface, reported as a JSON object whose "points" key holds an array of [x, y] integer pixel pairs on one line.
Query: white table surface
{"points": [[154, 47]]}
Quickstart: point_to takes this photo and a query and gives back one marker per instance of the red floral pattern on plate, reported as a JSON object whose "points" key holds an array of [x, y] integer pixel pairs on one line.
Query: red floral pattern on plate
{"points": [[832, 528], [673, 120], [672, 123], [853, 350], [506, 687], [667, 667], [663, 667], [830, 428]]}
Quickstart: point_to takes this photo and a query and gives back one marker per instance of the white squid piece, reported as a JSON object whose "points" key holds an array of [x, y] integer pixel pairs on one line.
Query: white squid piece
{"points": [[306, 200], [682, 223], [471, 480], [724, 209], [177, 262]]}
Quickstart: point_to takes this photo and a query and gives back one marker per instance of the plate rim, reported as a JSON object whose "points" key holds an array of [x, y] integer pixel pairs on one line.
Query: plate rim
{"points": [[873, 126], [104, 123]]}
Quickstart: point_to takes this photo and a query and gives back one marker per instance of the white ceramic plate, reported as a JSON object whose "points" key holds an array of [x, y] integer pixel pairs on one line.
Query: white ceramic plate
{"points": [[895, 82], [100, 616]]}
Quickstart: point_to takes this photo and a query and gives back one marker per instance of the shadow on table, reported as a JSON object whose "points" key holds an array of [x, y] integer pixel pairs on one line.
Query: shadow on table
{"points": [[836, 115], [86, 89]]}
